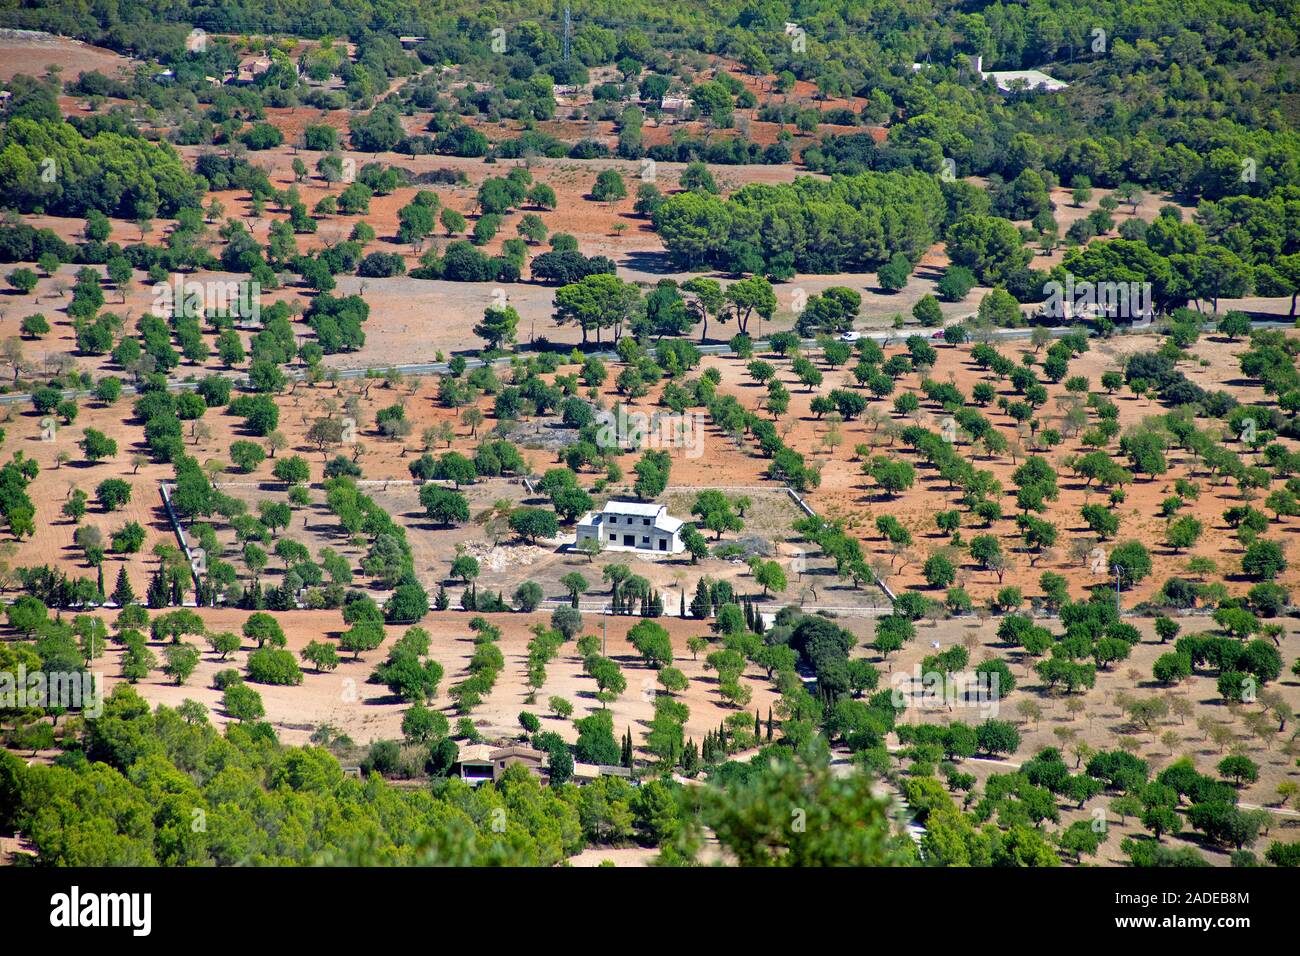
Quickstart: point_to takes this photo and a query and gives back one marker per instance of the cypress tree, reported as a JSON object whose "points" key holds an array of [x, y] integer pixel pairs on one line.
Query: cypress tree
{"points": [[702, 603], [769, 723], [156, 595], [758, 726]]}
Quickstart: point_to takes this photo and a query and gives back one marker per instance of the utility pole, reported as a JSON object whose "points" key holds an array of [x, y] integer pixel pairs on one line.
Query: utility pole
{"points": [[568, 29]]}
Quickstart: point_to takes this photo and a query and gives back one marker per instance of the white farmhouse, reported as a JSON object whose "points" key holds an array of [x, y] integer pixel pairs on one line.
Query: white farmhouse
{"points": [[633, 526]]}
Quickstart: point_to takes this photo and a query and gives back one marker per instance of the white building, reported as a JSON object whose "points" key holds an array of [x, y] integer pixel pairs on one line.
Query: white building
{"points": [[1011, 80], [633, 526]]}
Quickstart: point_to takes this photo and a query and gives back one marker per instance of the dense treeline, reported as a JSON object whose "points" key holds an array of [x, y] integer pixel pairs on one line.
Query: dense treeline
{"points": [[48, 166], [127, 791], [848, 224]]}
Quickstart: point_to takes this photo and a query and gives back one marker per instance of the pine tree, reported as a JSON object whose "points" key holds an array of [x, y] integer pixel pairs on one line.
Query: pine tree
{"points": [[123, 593]]}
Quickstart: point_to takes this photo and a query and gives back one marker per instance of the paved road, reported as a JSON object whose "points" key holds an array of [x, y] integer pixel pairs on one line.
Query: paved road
{"points": [[599, 607], [441, 368]]}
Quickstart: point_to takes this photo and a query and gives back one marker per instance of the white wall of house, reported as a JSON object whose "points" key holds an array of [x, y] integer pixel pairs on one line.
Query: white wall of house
{"points": [[624, 532]]}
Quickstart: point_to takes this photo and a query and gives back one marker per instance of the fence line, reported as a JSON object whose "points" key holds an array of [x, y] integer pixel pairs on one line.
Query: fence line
{"points": [[808, 510], [800, 503], [165, 490]]}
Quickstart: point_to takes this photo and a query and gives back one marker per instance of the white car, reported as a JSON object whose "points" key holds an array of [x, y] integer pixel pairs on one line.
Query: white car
{"points": [[850, 336]]}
